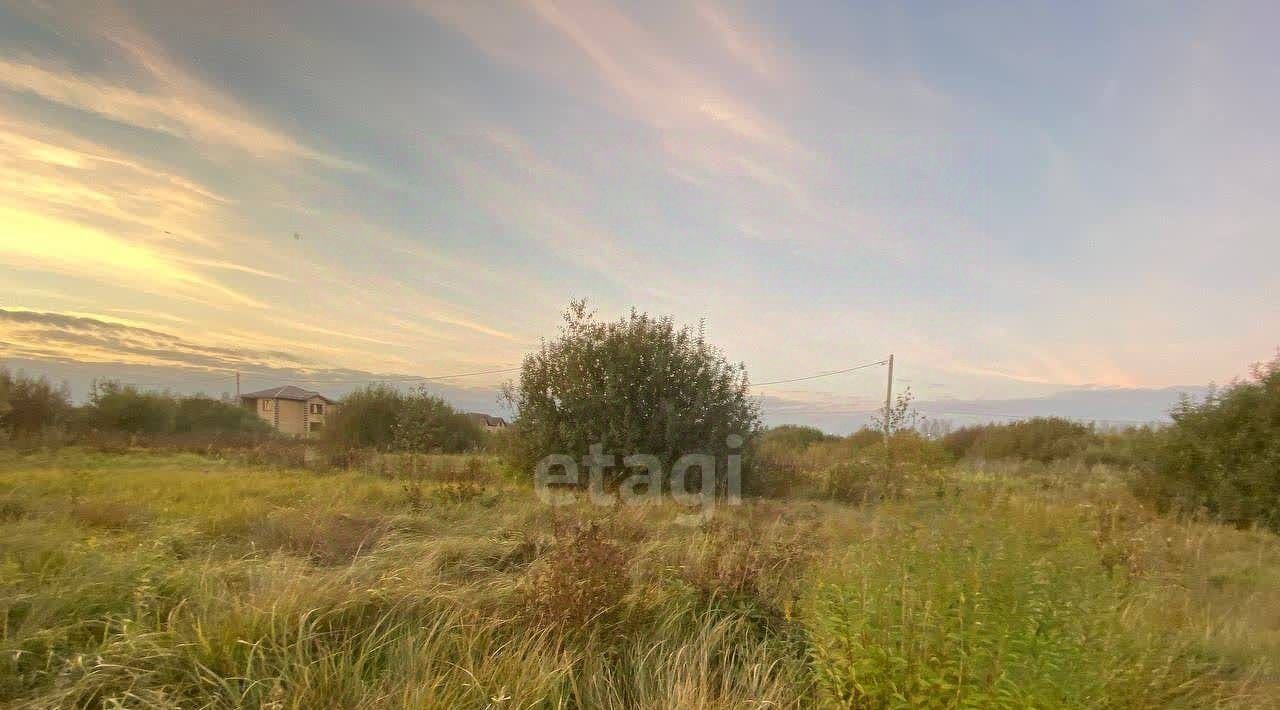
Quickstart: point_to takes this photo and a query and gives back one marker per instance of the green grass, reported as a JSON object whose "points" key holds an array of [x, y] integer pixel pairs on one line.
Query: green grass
{"points": [[147, 580]]}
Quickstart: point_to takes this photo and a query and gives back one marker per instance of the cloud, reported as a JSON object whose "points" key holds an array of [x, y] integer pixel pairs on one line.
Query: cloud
{"points": [[56, 173], [640, 72], [712, 126], [747, 45], [147, 88], [39, 242], [60, 336], [82, 348], [187, 116]]}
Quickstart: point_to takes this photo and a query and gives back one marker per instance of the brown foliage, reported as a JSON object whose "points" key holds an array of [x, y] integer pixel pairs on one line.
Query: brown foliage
{"points": [[323, 538], [109, 515], [581, 580]]}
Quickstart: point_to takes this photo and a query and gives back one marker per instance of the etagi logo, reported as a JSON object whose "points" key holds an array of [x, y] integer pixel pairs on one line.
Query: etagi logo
{"points": [[557, 472]]}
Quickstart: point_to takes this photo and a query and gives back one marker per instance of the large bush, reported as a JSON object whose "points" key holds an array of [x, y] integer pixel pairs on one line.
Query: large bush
{"points": [[636, 385], [793, 436], [1222, 454], [367, 419], [382, 417], [204, 414], [1042, 439], [117, 407], [427, 423]]}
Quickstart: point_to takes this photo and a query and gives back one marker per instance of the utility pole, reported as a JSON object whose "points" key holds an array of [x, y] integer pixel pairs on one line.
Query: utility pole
{"points": [[237, 386], [888, 408]]}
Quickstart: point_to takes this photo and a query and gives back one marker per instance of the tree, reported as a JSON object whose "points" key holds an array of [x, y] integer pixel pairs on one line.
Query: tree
{"points": [[636, 385], [28, 405]]}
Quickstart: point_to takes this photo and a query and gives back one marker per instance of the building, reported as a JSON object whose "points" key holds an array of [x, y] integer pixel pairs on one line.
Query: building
{"points": [[488, 422], [292, 410]]}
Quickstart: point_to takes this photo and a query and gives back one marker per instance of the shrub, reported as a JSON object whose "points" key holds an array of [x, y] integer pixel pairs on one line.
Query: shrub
{"points": [[793, 436], [866, 437], [960, 441], [1041, 439], [150, 416], [1222, 454], [427, 423], [384, 418], [367, 419], [119, 407], [855, 481], [580, 582], [204, 414], [636, 385]]}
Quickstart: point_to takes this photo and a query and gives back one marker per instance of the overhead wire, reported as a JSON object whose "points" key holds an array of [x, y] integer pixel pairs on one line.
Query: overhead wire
{"points": [[404, 379]]}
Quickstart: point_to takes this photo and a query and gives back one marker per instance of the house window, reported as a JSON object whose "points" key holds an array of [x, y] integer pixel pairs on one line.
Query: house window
{"points": [[317, 408], [266, 405]]}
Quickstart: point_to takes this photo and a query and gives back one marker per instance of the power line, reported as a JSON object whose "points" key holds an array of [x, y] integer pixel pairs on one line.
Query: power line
{"points": [[392, 378], [430, 378], [821, 374], [925, 409]]}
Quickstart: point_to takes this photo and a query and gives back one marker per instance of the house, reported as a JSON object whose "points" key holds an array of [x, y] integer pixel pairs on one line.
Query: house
{"points": [[488, 422], [292, 410]]}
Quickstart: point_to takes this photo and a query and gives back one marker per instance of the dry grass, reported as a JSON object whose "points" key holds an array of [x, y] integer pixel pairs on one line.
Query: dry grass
{"points": [[222, 585]]}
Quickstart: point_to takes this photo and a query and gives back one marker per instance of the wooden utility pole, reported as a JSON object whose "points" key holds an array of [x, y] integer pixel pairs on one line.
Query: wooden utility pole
{"points": [[888, 399], [237, 386], [888, 410]]}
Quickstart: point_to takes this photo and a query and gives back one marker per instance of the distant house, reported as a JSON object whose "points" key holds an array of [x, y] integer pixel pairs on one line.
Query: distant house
{"points": [[292, 410], [488, 422]]}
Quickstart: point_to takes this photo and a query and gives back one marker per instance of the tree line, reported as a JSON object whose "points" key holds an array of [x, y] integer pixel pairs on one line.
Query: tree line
{"points": [[33, 407], [35, 411], [642, 384]]}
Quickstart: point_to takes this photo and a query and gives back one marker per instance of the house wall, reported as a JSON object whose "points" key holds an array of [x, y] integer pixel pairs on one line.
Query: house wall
{"points": [[256, 404], [267, 415], [291, 418], [315, 422]]}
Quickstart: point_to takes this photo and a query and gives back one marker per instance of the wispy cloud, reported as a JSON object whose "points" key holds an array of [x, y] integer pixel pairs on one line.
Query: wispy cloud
{"points": [[183, 116], [747, 44], [61, 336], [57, 173], [41, 242]]}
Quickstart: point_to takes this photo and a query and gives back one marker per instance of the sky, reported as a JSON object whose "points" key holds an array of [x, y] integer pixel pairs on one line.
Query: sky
{"points": [[1039, 208]]}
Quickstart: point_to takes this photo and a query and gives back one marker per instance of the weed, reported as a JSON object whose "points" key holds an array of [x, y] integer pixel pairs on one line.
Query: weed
{"points": [[580, 582]]}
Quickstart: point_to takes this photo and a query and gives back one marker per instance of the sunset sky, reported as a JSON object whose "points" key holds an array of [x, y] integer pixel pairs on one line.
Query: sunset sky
{"points": [[1049, 203]]}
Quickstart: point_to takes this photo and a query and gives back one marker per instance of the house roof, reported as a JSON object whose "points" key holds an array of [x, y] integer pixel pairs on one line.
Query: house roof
{"points": [[487, 419], [287, 392]]}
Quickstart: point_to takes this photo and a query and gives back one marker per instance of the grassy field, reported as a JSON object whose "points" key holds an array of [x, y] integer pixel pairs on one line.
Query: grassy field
{"points": [[149, 580]]}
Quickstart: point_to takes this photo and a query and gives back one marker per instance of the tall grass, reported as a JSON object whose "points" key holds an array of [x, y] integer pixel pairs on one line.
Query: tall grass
{"points": [[163, 580]]}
